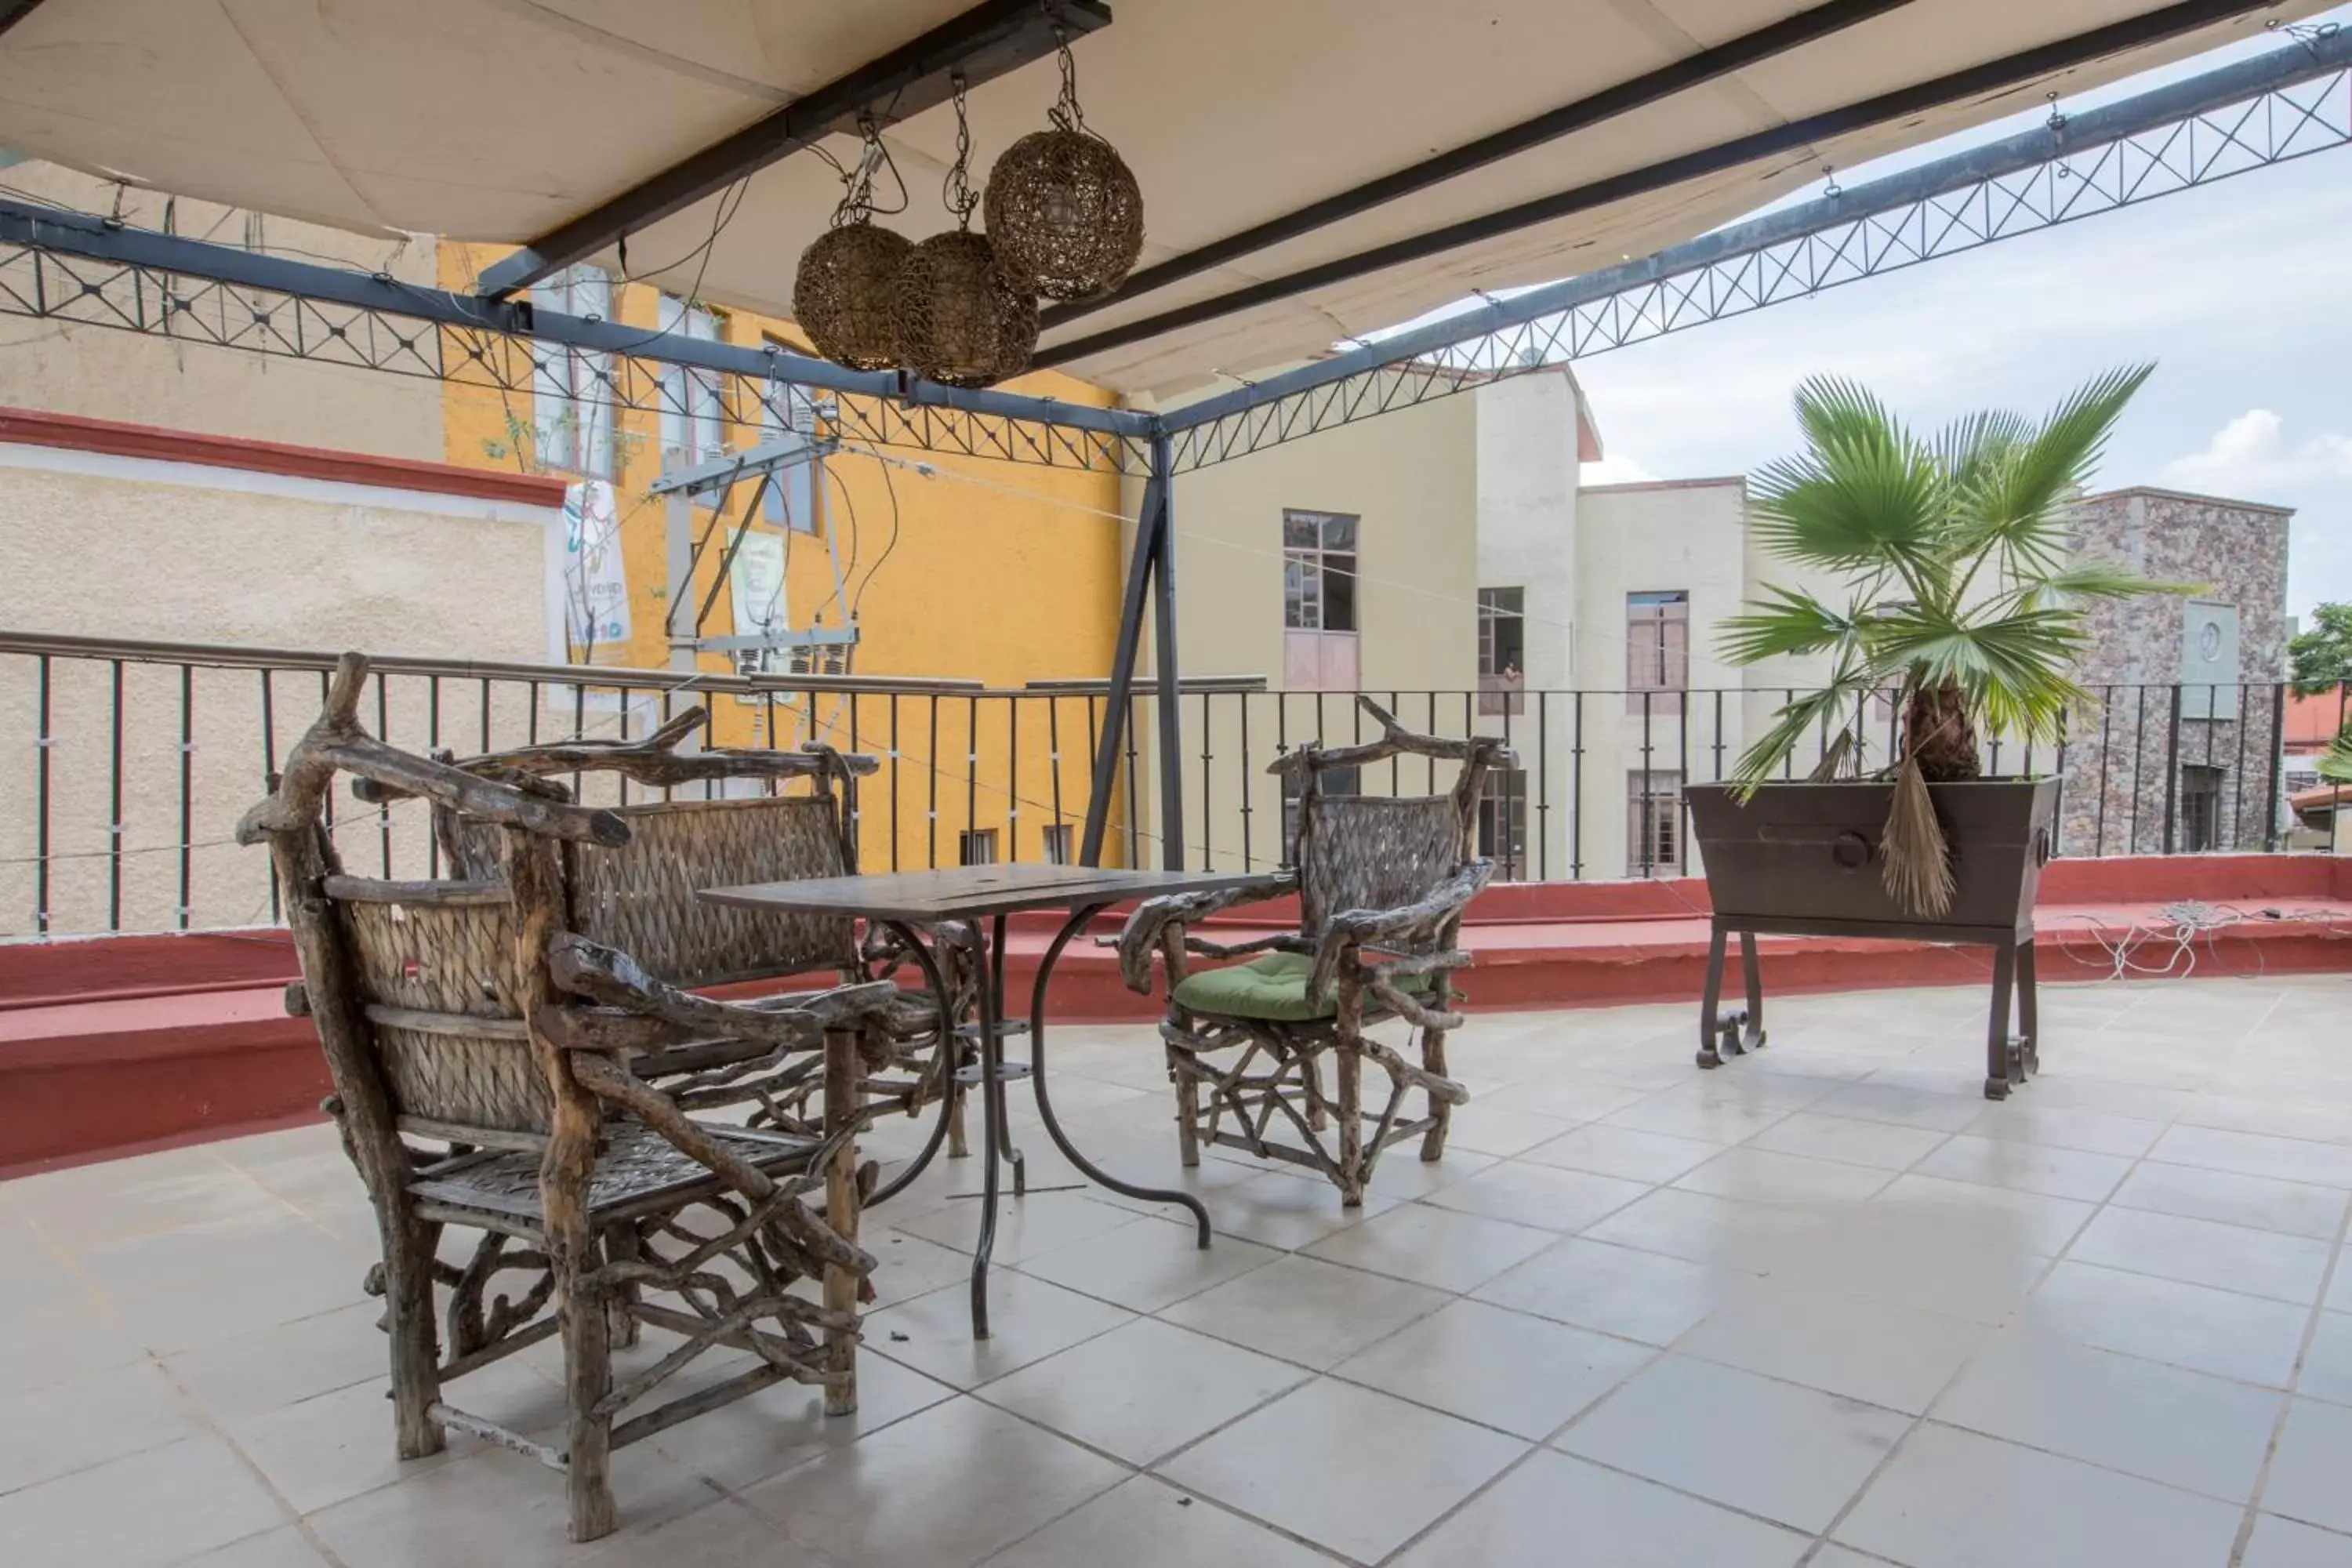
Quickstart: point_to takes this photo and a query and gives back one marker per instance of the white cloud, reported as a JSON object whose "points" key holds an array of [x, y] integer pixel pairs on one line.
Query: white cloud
{"points": [[2252, 454], [1616, 470]]}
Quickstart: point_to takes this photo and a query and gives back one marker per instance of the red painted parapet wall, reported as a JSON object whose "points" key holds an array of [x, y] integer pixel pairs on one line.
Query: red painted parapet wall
{"points": [[109, 1043]]}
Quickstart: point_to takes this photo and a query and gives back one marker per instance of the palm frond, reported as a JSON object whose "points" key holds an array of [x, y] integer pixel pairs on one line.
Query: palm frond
{"points": [[2018, 503], [1809, 713], [1787, 621], [2089, 578], [2336, 763]]}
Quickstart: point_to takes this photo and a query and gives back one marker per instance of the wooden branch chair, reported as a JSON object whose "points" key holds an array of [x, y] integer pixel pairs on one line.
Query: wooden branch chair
{"points": [[484, 1057], [641, 898], [1382, 882]]}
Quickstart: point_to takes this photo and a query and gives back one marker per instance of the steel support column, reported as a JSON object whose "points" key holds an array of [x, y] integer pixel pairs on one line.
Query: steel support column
{"points": [[1118, 702]]}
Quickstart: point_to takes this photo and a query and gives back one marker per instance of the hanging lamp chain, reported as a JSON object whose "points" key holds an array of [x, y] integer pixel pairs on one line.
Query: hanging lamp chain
{"points": [[1065, 114], [956, 190]]}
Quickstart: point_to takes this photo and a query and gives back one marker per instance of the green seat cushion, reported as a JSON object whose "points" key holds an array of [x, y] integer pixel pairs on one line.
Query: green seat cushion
{"points": [[1272, 987]]}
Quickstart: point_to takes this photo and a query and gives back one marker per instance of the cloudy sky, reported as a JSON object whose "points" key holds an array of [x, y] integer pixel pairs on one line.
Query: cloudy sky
{"points": [[2239, 291]]}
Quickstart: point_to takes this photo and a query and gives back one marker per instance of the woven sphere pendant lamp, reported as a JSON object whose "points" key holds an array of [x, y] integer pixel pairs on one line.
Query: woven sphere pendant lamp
{"points": [[1064, 212], [845, 295]]}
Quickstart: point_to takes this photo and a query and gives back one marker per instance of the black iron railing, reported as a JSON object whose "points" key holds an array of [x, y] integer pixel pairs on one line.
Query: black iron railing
{"points": [[128, 764]]}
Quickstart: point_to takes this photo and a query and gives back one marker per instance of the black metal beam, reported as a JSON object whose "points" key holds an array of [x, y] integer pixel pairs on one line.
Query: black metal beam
{"points": [[983, 43], [2154, 27], [1607, 104], [15, 11]]}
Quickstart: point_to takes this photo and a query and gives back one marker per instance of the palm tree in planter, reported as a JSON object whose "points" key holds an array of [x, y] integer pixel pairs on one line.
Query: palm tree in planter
{"points": [[1965, 601]]}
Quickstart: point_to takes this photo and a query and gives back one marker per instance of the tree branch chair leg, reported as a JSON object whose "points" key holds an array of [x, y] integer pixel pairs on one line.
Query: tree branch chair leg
{"points": [[844, 1101], [1349, 1052]]}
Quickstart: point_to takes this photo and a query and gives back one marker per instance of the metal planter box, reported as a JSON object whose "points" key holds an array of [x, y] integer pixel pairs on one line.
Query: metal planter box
{"points": [[1805, 857]]}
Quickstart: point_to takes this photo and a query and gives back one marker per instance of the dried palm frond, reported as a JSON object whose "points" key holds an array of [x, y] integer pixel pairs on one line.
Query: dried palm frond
{"points": [[1918, 869], [1833, 759]]}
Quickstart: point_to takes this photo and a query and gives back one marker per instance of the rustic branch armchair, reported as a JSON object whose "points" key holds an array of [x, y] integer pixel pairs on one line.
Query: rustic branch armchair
{"points": [[1382, 882], [466, 1013], [641, 897]]}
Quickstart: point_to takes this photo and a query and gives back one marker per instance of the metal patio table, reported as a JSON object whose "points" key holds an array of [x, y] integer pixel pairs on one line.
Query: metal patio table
{"points": [[985, 895]]}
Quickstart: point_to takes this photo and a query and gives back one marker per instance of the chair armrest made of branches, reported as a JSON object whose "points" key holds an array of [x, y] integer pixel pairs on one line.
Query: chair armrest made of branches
{"points": [[1155, 919], [1417, 933], [337, 742], [796, 1021]]}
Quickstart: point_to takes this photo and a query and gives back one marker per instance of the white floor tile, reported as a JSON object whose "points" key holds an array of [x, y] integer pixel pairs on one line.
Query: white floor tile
{"points": [[1789, 1453], [1352, 1470], [1525, 1374], [1877, 1352], [1618, 1290], [1614, 1520], [1140, 1392], [2194, 1326], [1306, 1311], [1955, 1500], [2186, 1430]]}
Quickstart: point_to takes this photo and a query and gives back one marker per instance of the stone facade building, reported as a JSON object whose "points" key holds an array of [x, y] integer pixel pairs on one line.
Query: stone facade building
{"points": [[2181, 752]]}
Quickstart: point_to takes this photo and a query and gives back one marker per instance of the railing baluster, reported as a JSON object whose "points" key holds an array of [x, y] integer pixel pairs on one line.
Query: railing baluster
{"points": [[2238, 777], [432, 744], [1208, 816], [114, 808], [931, 815], [971, 770], [1576, 793], [896, 768], [2106, 770], [2277, 752], [1543, 786], [1053, 758], [1134, 824], [270, 777], [43, 744], [384, 734], [1248, 778], [2139, 750], [187, 789], [2172, 771], [1641, 812], [1012, 774]]}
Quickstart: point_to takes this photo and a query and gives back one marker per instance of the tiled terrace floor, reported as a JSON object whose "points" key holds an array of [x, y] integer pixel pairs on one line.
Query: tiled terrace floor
{"points": [[1825, 1305]]}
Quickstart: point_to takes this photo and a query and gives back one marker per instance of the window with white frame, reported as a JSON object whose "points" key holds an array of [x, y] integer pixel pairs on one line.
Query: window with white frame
{"points": [[976, 847], [797, 497], [1318, 600], [572, 389], [1502, 649], [1055, 841], [693, 417]]}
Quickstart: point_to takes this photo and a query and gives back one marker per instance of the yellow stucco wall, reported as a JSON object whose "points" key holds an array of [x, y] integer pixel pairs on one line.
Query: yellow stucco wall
{"points": [[1003, 573]]}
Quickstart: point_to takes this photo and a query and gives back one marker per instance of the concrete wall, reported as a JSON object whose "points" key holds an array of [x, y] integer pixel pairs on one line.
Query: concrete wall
{"points": [[102, 545], [107, 373], [1677, 535], [1411, 478]]}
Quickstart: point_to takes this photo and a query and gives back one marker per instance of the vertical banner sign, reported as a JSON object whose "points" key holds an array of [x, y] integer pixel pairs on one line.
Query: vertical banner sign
{"points": [[595, 581]]}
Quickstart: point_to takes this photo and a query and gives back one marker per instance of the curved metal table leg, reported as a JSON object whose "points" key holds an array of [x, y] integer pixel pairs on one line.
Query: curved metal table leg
{"points": [[950, 1048], [1076, 924]]}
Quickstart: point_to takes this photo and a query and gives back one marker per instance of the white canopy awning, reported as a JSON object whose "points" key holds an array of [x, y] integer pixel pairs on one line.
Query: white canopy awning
{"points": [[496, 120]]}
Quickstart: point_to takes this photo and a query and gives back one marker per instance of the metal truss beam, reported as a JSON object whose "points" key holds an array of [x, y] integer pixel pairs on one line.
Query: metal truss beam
{"points": [[69, 267], [2286, 104], [983, 43], [1692, 71], [1976, 82]]}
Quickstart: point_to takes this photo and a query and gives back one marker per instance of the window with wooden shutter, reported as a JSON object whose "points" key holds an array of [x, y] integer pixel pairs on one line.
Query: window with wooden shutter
{"points": [[1657, 651], [1653, 823]]}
